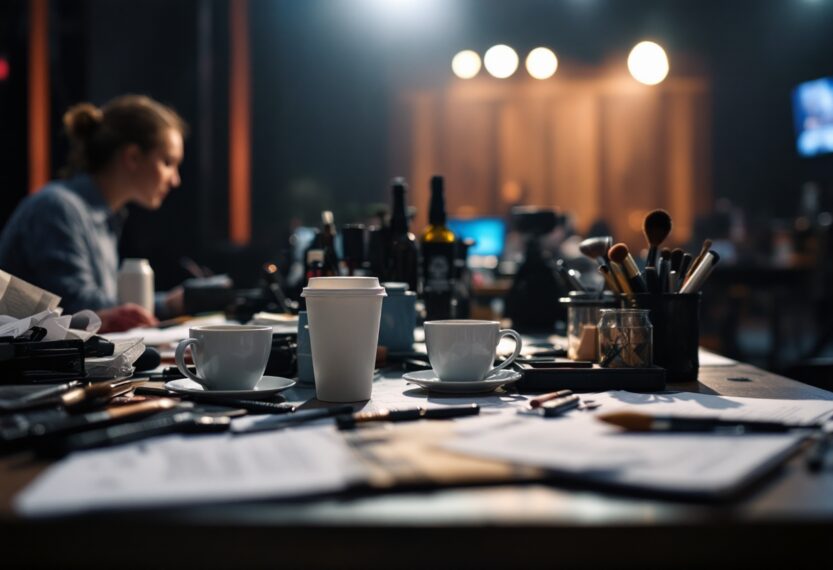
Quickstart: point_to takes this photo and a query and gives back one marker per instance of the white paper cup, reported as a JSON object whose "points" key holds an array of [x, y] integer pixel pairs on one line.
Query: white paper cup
{"points": [[344, 315]]}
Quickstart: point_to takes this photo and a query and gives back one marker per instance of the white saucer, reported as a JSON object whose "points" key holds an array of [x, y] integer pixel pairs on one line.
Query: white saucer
{"points": [[267, 386], [428, 380]]}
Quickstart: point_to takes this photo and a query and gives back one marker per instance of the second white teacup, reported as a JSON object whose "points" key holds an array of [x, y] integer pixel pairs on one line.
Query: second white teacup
{"points": [[227, 357], [464, 350]]}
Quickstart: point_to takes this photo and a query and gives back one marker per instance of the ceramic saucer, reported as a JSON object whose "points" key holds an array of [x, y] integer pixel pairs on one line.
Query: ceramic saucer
{"points": [[428, 380], [267, 386]]}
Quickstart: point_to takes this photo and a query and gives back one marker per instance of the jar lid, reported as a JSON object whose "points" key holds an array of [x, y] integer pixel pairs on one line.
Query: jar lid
{"points": [[395, 287], [590, 299]]}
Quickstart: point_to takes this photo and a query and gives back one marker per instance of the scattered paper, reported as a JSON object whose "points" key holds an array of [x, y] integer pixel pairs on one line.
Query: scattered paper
{"points": [[177, 470], [82, 325], [160, 337], [579, 444], [119, 364], [20, 299]]}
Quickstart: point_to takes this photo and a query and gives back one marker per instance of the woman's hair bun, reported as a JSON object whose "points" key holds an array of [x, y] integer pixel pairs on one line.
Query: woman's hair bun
{"points": [[82, 120]]}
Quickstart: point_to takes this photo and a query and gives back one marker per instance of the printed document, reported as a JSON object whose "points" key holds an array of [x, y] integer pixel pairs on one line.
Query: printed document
{"points": [[177, 470]]}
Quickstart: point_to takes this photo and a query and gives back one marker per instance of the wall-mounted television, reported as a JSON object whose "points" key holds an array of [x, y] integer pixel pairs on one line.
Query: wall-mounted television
{"points": [[813, 116]]}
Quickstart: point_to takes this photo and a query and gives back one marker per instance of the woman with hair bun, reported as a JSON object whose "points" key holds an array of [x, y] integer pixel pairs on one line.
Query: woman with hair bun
{"points": [[64, 238]]}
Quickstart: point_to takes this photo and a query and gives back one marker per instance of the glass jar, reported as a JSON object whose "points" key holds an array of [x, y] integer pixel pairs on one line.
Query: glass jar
{"points": [[625, 338], [583, 314]]}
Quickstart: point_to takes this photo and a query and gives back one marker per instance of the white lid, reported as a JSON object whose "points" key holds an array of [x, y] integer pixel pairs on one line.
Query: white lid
{"points": [[343, 286]]}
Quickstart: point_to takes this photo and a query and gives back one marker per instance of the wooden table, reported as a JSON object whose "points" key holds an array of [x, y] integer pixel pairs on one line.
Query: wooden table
{"points": [[784, 519]]}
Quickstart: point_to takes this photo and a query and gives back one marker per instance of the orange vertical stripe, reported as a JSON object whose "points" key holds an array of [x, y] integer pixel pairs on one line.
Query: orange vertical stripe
{"points": [[39, 140], [240, 223]]}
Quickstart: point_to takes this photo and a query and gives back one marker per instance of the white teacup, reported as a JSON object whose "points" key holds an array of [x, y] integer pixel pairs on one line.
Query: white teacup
{"points": [[227, 357], [464, 350]]}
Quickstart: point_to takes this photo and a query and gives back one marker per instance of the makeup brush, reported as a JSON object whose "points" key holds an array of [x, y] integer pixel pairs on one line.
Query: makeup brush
{"points": [[621, 278], [656, 227], [707, 245], [610, 280], [620, 254], [698, 278], [596, 248], [570, 276], [681, 273], [676, 259], [664, 268]]}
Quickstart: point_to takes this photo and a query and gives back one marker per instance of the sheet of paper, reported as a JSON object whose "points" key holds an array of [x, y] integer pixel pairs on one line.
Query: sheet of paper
{"points": [[21, 299], [724, 407], [700, 463], [688, 463], [119, 364], [82, 325], [178, 470], [160, 337]]}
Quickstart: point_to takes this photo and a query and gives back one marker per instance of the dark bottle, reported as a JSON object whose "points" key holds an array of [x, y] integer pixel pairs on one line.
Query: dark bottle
{"points": [[403, 254], [313, 268], [353, 248], [328, 244], [438, 253]]}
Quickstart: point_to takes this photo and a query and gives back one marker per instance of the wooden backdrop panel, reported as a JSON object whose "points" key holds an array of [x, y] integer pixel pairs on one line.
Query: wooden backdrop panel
{"points": [[596, 148]]}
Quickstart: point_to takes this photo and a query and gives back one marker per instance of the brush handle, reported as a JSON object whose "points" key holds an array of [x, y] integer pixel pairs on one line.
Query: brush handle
{"points": [[683, 271], [663, 275], [621, 278], [652, 280], [652, 257]]}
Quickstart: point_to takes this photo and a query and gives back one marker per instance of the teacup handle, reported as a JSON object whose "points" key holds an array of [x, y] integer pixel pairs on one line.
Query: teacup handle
{"points": [[518, 346], [180, 359]]}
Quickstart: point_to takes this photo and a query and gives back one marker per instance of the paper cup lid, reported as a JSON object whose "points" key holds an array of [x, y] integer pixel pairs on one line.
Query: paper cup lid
{"points": [[343, 286]]}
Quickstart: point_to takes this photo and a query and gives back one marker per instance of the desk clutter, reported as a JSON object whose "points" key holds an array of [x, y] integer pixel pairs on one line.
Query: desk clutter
{"points": [[474, 403]]}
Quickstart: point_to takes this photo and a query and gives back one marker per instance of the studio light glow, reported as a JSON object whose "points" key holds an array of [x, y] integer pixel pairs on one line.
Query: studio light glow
{"points": [[466, 64], [541, 63], [501, 61], [648, 63]]}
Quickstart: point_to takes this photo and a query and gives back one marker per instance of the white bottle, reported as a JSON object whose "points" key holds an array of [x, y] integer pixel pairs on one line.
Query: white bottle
{"points": [[135, 283]]}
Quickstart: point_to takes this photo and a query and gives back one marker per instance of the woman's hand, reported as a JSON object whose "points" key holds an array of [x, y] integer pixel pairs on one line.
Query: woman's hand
{"points": [[125, 317]]}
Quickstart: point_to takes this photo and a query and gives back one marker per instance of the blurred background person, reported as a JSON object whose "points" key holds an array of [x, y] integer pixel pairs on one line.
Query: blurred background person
{"points": [[64, 238]]}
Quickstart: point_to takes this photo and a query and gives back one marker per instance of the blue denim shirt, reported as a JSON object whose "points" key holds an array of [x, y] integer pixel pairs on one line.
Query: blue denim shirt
{"points": [[64, 239]]}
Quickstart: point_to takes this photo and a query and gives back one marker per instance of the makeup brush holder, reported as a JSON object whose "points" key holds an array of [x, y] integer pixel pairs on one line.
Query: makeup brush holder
{"points": [[676, 321]]}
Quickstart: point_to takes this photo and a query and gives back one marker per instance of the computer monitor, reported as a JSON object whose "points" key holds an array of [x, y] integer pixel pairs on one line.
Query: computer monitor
{"points": [[813, 117], [489, 234]]}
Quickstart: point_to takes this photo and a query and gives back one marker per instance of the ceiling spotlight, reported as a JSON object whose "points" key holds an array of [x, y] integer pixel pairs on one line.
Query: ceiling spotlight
{"points": [[541, 63], [466, 64], [648, 63], [501, 61]]}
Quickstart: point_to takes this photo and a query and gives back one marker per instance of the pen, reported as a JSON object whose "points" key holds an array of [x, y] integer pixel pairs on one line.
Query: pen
{"points": [[22, 428], [294, 418], [536, 402], [350, 421], [42, 397], [634, 421], [185, 421]]}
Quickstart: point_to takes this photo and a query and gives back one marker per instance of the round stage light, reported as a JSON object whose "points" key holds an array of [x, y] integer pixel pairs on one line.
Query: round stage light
{"points": [[541, 63], [466, 64], [501, 61], [648, 63]]}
